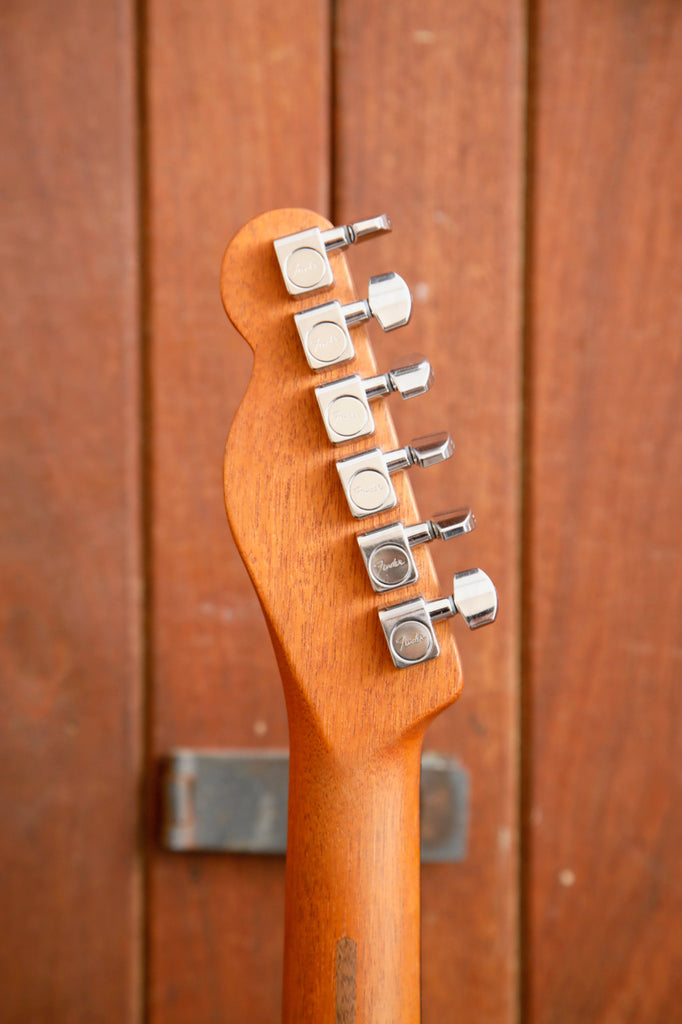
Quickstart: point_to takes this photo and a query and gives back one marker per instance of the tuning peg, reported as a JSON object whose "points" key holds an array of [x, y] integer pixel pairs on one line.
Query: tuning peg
{"points": [[408, 627], [423, 451], [365, 477], [324, 332], [386, 551], [344, 404], [303, 257]]}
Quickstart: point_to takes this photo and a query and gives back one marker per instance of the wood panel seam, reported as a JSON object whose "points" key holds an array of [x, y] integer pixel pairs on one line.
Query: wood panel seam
{"points": [[145, 443], [525, 510]]}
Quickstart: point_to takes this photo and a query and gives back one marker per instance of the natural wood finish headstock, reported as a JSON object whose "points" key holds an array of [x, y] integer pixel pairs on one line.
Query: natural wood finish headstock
{"points": [[292, 525]]}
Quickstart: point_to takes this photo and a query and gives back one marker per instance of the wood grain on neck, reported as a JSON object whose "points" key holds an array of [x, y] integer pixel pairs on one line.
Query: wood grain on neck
{"points": [[355, 721]]}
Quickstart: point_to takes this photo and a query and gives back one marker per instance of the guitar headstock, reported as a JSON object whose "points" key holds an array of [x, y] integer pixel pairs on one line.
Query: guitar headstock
{"points": [[296, 517]]}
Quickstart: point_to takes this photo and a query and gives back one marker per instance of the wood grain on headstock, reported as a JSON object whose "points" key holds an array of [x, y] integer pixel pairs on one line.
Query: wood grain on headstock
{"points": [[356, 722]]}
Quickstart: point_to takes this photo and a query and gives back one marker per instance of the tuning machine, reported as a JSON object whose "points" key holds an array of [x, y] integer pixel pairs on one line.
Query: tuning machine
{"points": [[344, 403], [324, 330], [387, 551], [366, 477], [409, 628], [303, 257]]}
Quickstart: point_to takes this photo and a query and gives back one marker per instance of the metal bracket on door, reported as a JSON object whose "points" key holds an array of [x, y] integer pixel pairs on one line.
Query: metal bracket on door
{"points": [[236, 802]]}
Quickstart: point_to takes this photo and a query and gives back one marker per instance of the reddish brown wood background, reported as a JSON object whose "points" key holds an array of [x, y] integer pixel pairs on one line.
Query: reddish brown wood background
{"points": [[70, 592], [529, 157], [604, 493]]}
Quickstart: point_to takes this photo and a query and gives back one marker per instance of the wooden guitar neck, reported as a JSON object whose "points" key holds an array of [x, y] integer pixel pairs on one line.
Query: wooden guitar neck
{"points": [[352, 887]]}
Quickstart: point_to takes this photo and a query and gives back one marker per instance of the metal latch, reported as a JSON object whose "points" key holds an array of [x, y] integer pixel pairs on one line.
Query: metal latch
{"points": [[236, 802]]}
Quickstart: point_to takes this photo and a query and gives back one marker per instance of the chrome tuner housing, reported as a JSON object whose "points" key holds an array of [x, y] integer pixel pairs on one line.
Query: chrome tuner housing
{"points": [[408, 627], [387, 551], [325, 330], [303, 257], [365, 478], [344, 403]]}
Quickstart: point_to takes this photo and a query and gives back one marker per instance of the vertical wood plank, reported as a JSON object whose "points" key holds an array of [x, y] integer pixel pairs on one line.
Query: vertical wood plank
{"points": [[69, 552], [430, 129], [604, 588], [238, 122]]}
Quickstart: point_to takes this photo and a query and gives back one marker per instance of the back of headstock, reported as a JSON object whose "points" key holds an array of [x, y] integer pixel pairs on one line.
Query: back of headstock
{"points": [[292, 523]]}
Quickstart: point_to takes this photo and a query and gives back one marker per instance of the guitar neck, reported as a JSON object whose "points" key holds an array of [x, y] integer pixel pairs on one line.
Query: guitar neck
{"points": [[352, 887]]}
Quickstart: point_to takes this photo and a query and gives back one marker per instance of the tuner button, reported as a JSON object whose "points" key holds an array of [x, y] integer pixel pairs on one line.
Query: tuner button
{"points": [[405, 625], [303, 257], [453, 524], [423, 451], [433, 448], [475, 597], [389, 300], [412, 378]]}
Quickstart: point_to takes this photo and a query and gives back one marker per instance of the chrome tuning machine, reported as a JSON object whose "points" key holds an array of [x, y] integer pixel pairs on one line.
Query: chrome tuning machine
{"points": [[408, 627], [324, 330], [303, 257], [366, 477], [344, 403], [387, 551]]}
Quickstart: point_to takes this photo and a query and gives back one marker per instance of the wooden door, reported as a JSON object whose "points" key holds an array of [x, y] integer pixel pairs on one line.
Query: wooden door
{"points": [[529, 157]]}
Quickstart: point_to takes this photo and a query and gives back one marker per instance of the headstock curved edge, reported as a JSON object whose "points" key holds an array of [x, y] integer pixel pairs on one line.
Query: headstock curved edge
{"points": [[293, 528]]}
